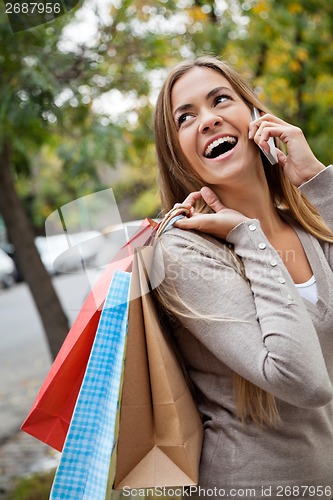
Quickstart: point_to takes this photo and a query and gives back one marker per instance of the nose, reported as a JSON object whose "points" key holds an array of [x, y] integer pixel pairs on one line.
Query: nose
{"points": [[209, 121]]}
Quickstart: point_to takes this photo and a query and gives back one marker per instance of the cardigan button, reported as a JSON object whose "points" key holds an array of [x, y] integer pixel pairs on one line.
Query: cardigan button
{"points": [[262, 245], [273, 262], [252, 227], [281, 280]]}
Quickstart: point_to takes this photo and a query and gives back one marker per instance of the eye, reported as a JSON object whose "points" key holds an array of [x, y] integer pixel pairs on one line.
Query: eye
{"points": [[183, 118], [220, 99]]}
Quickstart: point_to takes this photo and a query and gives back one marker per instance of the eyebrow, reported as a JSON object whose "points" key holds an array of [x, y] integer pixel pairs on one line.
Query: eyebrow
{"points": [[211, 93]]}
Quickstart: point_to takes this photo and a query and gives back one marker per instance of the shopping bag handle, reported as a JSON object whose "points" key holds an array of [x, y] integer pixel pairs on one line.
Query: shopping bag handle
{"points": [[170, 218]]}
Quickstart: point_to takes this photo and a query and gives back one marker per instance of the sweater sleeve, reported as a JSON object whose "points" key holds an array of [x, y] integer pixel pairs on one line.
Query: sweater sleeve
{"points": [[319, 190], [261, 331]]}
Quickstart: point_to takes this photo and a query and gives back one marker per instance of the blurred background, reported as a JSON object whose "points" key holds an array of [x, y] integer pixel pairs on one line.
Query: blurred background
{"points": [[76, 103]]}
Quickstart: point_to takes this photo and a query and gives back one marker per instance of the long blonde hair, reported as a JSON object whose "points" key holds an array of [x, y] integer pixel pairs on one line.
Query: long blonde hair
{"points": [[177, 179]]}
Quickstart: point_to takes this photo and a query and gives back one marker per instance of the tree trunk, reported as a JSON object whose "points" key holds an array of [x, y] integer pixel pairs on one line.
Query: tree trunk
{"points": [[261, 61], [37, 278], [301, 112]]}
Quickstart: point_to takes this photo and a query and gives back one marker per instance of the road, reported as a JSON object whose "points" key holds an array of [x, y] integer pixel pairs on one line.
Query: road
{"points": [[24, 354], [24, 363]]}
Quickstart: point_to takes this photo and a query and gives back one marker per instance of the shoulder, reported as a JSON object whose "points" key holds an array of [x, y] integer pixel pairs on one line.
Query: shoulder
{"points": [[187, 245]]}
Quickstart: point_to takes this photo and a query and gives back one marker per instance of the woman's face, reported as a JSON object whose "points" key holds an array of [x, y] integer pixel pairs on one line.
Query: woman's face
{"points": [[213, 125]]}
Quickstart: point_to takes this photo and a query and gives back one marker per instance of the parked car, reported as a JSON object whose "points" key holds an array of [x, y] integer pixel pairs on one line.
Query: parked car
{"points": [[7, 270], [9, 249], [66, 253], [115, 237]]}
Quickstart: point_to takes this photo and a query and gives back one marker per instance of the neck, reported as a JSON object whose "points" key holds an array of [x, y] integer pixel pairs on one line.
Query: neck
{"points": [[253, 199]]}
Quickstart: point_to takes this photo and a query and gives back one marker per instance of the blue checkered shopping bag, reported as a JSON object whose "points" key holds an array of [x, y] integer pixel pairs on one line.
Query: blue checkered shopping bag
{"points": [[83, 470]]}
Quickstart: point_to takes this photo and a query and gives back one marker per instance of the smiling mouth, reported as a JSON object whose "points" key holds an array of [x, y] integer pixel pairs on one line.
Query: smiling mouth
{"points": [[220, 146]]}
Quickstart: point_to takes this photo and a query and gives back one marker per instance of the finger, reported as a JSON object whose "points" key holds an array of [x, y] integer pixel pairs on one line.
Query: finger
{"points": [[267, 130], [181, 205], [271, 119], [263, 144], [189, 200], [282, 158], [192, 198], [253, 127], [283, 131], [187, 223], [265, 118], [264, 134], [188, 203], [212, 200], [200, 222]]}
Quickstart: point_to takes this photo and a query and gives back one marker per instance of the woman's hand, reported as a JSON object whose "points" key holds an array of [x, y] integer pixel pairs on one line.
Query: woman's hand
{"points": [[300, 164], [218, 224]]}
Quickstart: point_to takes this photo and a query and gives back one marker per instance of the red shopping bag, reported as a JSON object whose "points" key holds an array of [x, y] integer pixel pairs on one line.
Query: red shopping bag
{"points": [[51, 413]]}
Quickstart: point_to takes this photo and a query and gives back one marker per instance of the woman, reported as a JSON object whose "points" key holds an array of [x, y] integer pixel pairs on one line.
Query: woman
{"points": [[248, 285]]}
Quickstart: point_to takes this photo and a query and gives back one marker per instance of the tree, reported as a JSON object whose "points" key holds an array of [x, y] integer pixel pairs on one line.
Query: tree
{"points": [[30, 81], [34, 116], [291, 64]]}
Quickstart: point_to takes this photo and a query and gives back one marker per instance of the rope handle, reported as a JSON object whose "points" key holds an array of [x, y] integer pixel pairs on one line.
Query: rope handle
{"points": [[170, 218]]}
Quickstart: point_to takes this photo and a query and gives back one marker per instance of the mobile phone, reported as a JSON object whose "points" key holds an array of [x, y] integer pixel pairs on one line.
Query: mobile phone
{"points": [[272, 155]]}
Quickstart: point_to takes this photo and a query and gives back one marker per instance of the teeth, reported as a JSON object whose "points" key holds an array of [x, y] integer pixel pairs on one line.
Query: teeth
{"points": [[212, 145]]}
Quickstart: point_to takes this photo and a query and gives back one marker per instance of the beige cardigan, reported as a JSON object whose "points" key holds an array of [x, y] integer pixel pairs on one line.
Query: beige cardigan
{"points": [[271, 336]]}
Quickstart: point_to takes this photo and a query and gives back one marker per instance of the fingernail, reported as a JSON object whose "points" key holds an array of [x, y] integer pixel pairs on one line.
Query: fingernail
{"points": [[250, 134]]}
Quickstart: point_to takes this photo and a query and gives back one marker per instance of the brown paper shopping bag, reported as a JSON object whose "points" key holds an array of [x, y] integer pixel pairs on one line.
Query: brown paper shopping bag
{"points": [[160, 430]]}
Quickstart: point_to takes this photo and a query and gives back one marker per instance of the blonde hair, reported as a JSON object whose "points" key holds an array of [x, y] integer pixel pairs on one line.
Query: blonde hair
{"points": [[177, 179]]}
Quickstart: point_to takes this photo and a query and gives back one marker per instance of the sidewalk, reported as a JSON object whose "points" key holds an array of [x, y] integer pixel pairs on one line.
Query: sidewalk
{"points": [[25, 362], [22, 455]]}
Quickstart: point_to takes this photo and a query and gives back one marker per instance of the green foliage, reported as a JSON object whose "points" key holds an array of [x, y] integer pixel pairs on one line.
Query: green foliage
{"points": [[36, 487], [56, 142], [289, 46], [63, 149]]}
